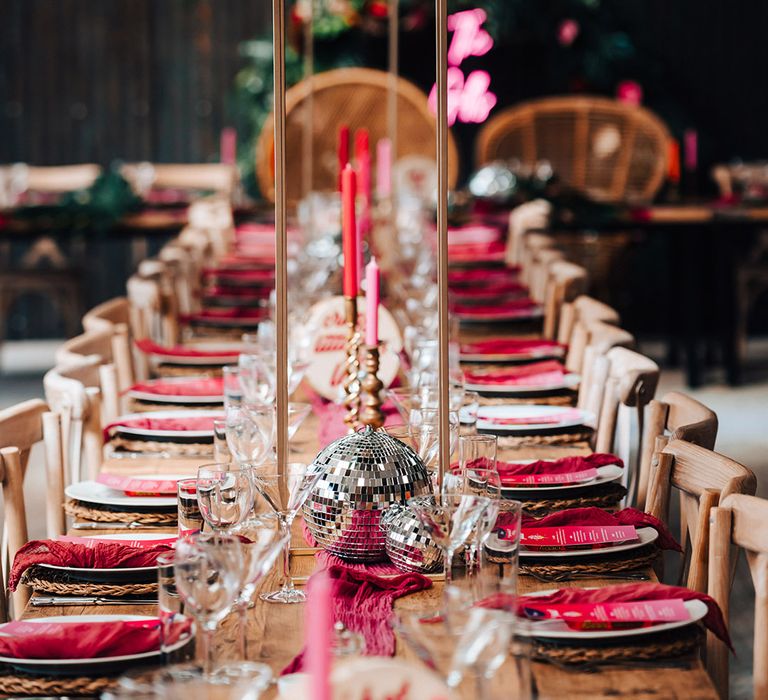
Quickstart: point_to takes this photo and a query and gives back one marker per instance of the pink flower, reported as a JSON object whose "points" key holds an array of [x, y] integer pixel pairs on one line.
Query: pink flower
{"points": [[568, 31]]}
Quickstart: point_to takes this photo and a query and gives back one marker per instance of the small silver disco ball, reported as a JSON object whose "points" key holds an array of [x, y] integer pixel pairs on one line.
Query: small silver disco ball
{"points": [[364, 473], [409, 546]]}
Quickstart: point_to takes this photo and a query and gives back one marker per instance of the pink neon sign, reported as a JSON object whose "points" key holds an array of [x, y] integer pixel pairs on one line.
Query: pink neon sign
{"points": [[469, 99]]}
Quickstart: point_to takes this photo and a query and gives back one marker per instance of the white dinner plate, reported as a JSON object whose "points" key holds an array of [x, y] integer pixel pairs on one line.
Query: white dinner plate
{"points": [[82, 665], [571, 417], [569, 381], [557, 629], [174, 398], [100, 494], [179, 414], [645, 535], [609, 472]]}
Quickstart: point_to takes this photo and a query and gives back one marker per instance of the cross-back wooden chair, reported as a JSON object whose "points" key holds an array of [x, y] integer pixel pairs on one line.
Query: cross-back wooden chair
{"points": [[530, 216], [630, 384], [213, 216], [675, 416], [198, 177], [88, 344], [184, 273], [739, 521], [565, 282], [704, 478], [114, 316], [600, 338], [574, 319], [536, 252], [75, 393], [151, 316], [609, 150], [21, 428]]}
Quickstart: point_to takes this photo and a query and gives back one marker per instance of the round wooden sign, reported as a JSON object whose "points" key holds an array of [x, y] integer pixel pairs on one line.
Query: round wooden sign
{"points": [[329, 337]]}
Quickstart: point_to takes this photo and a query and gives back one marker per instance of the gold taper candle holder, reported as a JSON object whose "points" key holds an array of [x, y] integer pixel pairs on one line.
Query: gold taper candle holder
{"points": [[352, 364], [370, 412]]}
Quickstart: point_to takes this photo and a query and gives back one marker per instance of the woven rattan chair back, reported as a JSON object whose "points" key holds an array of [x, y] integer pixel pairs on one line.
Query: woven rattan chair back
{"points": [[606, 149], [356, 97]]}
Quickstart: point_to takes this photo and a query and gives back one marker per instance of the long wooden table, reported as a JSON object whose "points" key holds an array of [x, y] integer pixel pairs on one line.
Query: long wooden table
{"points": [[276, 631]]}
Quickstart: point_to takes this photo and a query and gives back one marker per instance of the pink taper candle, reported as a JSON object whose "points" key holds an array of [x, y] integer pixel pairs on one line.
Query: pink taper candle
{"points": [[228, 145], [349, 232], [319, 635], [384, 168], [372, 303]]}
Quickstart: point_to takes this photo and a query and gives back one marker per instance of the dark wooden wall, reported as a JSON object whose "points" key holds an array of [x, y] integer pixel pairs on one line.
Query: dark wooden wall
{"points": [[95, 80]]}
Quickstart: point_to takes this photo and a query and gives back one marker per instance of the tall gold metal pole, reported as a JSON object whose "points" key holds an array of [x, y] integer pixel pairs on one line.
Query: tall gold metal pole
{"points": [[281, 247], [441, 17], [394, 69]]}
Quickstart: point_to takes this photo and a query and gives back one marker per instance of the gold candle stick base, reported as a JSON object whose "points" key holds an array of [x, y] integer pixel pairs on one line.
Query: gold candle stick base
{"points": [[371, 413], [352, 365]]}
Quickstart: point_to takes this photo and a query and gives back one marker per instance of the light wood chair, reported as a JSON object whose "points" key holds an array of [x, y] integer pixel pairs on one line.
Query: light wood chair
{"points": [[86, 345], [75, 393], [21, 427], [539, 252], [200, 177], [356, 97], [61, 178], [565, 282], [630, 384], [740, 521], [704, 478], [675, 416], [574, 319], [107, 315], [530, 216], [609, 150], [114, 317], [214, 217]]}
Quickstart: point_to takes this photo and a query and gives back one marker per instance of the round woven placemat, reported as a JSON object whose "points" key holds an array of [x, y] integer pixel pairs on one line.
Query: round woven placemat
{"points": [[178, 448], [59, 585], [556, 439], [568, 399], [47, 686], [651, 648], [635, 560], [81, 511], [163, 370], [604, 496], [143, 407]]}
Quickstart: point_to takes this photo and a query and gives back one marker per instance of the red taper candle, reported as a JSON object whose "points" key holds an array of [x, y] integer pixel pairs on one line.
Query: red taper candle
{"points": [[343, 152], [349, 230]]}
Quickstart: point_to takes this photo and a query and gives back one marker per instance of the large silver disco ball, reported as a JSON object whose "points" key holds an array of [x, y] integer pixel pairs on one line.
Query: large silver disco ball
{"points": [[364, 473], [409, 546]]}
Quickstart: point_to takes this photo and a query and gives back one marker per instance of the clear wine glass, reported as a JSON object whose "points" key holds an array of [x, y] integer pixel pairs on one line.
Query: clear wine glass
{"points": [[251, 432], [225, 494], [262, 542], [297, 414], [285, 502], [450, 519], [208, 570], [257, 378]]}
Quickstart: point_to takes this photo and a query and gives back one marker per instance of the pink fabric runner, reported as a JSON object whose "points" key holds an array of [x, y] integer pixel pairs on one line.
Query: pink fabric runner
{"points": [[331, 418], [363, 602]]}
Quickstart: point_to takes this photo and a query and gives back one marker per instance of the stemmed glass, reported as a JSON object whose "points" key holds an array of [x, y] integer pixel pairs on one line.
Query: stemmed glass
{"points": [[262, 543], [300, 480], [208, 570], [225, 495], [297, 413], [449, 518], [250, 432], [257, 379]]}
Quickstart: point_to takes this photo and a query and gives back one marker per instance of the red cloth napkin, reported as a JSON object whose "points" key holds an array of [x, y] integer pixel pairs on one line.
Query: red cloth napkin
{"points": [[79, 640], [510, 346], [103, 555], [622, 593], [150, 348], [148, 423], [597, 516], [363, 603], [490, 290], [215, 313], [524, 304], [483, 275], [565, 465], [218, 291], [553, 419], [534, 373], [204, 386], [241, 274]]}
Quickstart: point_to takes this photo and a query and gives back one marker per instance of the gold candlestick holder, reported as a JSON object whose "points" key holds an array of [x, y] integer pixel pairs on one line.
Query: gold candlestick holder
{"points": [[352, 364], [371, 413]]}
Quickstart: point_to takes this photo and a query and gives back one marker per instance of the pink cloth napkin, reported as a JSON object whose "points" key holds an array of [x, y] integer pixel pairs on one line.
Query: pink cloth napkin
{"points": [[202, 386], [565, 465], [363, 602], [148, 423], [150, 348], [513, 307], [482, 276], [534, 374], [554, 419], [510, 346], [213, 313]]}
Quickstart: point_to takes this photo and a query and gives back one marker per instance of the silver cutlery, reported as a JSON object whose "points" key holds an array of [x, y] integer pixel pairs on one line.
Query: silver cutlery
{"points": [[134, 525], [53, 601]]}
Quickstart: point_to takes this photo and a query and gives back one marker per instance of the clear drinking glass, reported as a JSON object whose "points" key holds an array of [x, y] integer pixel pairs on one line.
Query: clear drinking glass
{"points": [[300, 479], [468, 412], [189, 518], [175, 620], [221, 451], [251, 432], [503, 552], [208, 572], [225, 495], [233, 391], [257, 378]]}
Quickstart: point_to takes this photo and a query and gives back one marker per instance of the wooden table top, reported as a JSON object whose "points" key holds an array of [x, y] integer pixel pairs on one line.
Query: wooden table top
{"points": [[276, 631]]}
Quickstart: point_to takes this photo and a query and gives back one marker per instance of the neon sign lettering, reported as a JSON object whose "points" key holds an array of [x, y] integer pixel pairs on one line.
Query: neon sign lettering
{"points": [[469, 99]]}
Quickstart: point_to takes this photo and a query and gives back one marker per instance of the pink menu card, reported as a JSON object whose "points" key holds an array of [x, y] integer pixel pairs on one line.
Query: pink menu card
{"points": [[539, 479]]}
